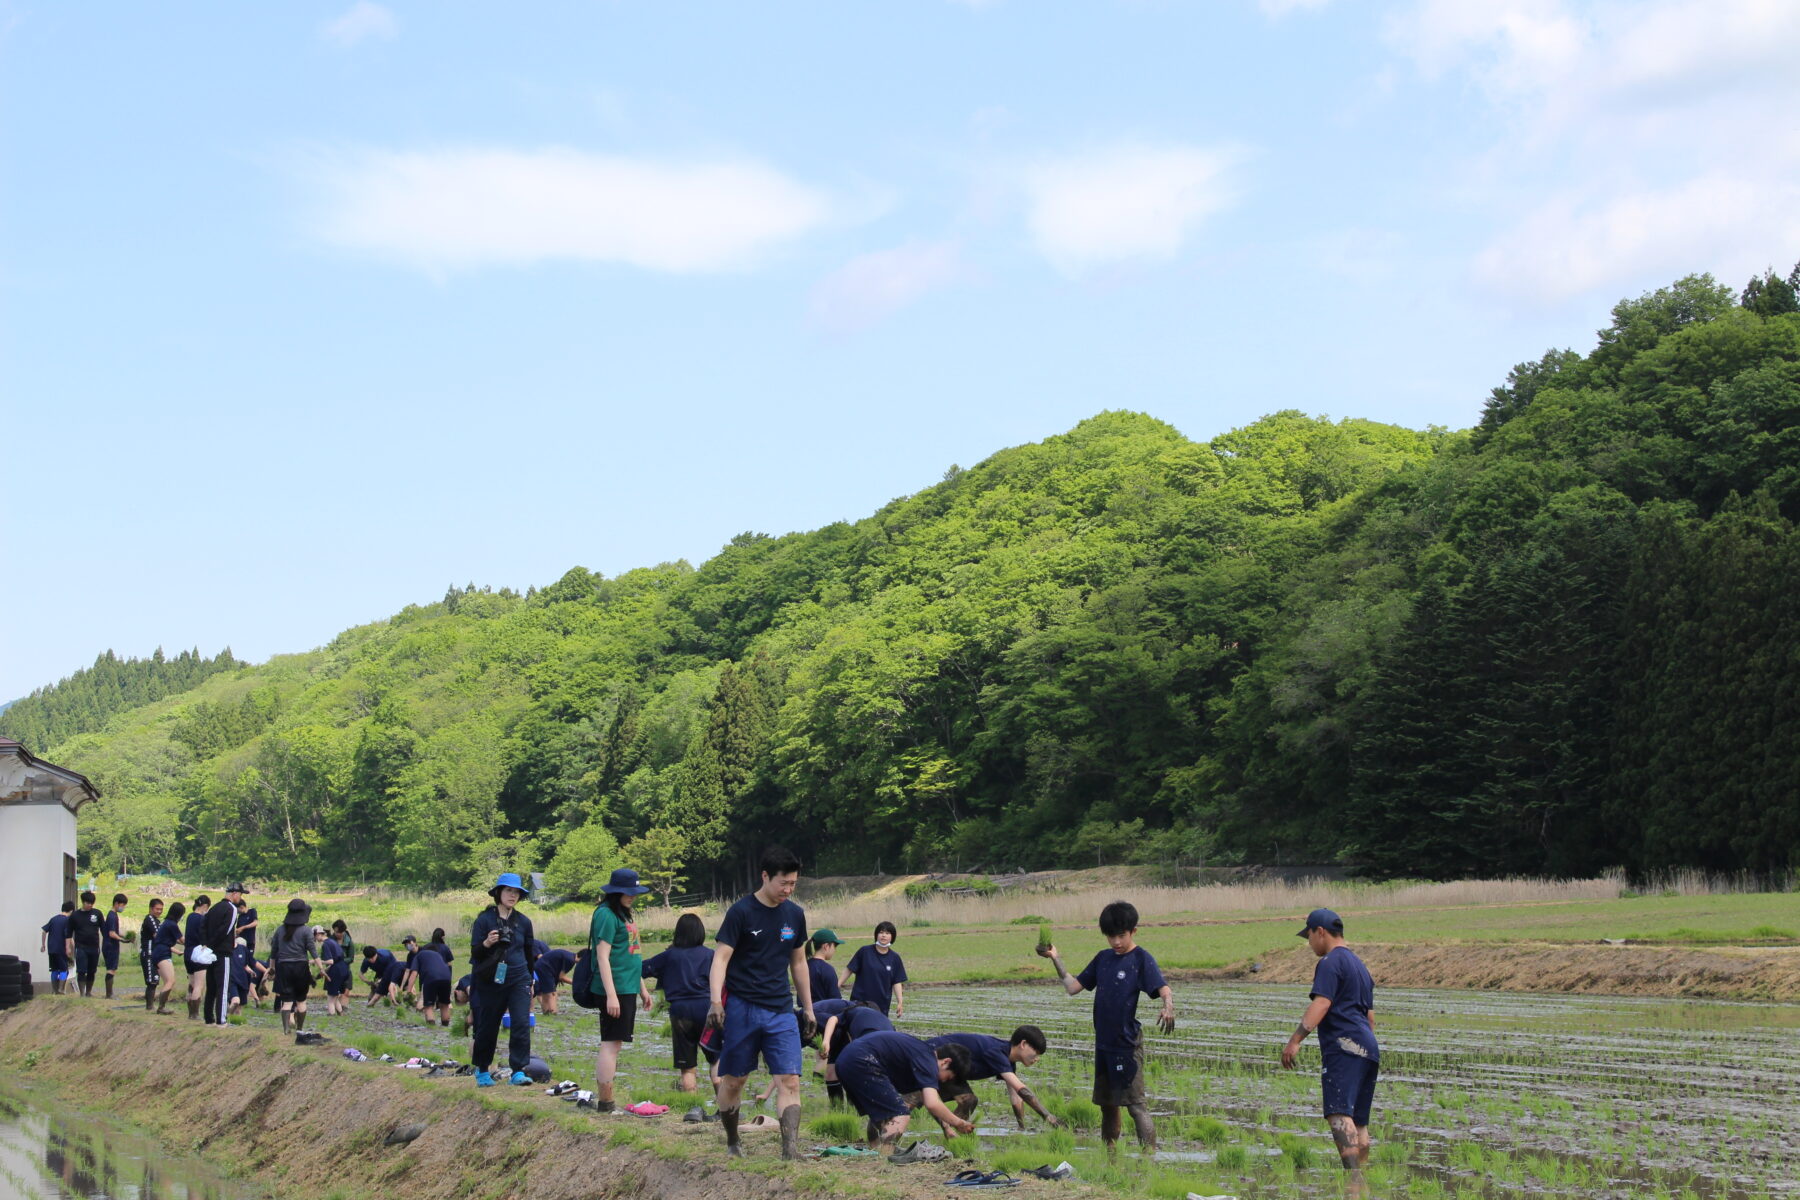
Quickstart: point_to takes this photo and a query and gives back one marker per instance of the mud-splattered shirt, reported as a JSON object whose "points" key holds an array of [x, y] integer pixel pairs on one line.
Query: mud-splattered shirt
{"points": [[1342, 979]]}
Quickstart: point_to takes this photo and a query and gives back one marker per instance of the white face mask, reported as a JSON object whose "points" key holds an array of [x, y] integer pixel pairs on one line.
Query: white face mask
{"points": [[884, 940]]}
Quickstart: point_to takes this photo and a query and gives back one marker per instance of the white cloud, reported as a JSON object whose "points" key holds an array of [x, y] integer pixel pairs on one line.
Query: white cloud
{"points": [[871, 287], [360, 22], [1731, 225], [1125, 202], [451, 209], [1640, 138]]}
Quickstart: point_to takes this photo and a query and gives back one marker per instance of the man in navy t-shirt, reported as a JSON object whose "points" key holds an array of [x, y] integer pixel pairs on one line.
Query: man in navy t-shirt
{"points": [[759, 946], [87, 930], [883, 1073], [1116, 976], [1343, 1011], [992, 1058]]}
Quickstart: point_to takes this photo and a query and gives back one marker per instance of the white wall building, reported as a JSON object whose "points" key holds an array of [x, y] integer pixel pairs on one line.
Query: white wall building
{"points": [[38, 803]]}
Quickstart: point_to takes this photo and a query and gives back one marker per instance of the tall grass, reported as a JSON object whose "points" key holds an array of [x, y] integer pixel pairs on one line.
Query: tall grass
{"points": [[1080, 908]]}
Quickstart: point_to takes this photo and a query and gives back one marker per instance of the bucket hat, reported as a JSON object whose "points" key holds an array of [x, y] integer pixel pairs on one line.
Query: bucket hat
{"points": [[299, 912], [624, 882], [508, 880]]}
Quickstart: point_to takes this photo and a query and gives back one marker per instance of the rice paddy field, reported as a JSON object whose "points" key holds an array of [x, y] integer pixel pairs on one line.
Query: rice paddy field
{"points": [[1482, 1094]]}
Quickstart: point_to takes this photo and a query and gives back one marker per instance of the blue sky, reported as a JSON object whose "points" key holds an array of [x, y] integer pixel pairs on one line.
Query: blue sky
{"points": [[309, 310]]}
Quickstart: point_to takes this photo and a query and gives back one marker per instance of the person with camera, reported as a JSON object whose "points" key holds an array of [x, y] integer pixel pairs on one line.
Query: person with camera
{"points": [[504, 958]]}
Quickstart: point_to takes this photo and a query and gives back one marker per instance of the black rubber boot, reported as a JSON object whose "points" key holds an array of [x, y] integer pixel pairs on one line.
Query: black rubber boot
{"points": [[790, 1133], [729, 1119]]}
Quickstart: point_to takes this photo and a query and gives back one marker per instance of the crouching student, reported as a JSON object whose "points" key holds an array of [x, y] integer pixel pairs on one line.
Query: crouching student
{"points": [[843, 1021], [879, 1069], [433, 972], [991, 1058], [682, 972], [383, 969], [1343, 1011], [553, 969], [502, 957], [1116, 976]]}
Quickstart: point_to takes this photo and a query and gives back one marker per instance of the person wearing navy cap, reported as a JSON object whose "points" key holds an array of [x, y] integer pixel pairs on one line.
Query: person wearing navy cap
{"points": [[503, 957], [619, 974], [1343, 1011]]}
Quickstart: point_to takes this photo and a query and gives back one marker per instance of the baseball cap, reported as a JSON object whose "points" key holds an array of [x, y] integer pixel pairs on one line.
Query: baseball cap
{"points": [[825, 937], [1323, 918]]}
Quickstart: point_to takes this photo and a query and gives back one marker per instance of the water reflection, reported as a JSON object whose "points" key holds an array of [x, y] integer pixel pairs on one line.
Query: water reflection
{"points": [[51, 1153]]}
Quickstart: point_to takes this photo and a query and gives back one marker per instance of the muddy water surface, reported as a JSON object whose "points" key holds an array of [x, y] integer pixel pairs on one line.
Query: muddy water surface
{"points": [[48, 1152]]}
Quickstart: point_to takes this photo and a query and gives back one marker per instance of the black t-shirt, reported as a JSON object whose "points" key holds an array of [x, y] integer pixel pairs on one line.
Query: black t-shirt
{"points": [[989, 1057], [86, 926], [762, 941]]}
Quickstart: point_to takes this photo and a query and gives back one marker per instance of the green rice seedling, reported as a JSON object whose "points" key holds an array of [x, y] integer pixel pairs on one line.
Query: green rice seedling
{"points": [[1232, 1158], [1296, 1153], [1424, 1187], [966, 1146], [1208, 1131], [837, 1127], [1056, 1143], [1075, 1111]]}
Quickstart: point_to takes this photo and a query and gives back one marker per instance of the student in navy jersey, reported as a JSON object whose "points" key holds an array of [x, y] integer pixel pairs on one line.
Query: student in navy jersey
{"points": [[162, 954], [380, 965], [681, 973], [1117, 976], [880, 1071], [825, 1010], [87, 931], [433, 973], [824, 946], [147, 949], [112, 936], [879, 973], [193, 936], [1343, 1011], [334, 967], [56, 944], [759, 946], [552, 971], [996, 1058]]}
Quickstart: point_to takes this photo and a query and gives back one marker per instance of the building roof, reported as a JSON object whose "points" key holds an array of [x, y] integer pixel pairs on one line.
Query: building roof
{"points": [[70, 787]]}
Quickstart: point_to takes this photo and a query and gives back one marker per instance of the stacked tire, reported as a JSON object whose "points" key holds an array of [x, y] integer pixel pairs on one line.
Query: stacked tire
{"points": [[15, 981]]}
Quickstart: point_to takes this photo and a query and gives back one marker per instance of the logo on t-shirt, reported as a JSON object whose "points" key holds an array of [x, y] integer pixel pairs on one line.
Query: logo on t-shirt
{"points": [[787, 933], [1121, 974]]}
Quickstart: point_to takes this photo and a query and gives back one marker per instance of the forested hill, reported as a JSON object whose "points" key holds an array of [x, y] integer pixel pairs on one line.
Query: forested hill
{"points": [[88, 698], [1566, 639]]}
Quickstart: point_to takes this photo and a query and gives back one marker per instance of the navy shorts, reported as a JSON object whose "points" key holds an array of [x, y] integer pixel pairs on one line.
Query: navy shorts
{"points": [[868, 1086], [109, 951], [750, 1030], [58, 962], [1348, 1084], [434, 994]]}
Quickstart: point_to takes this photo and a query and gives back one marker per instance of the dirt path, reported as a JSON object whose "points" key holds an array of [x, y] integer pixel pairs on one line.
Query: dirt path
{"points": [[310, 1123], [1709, 974]]}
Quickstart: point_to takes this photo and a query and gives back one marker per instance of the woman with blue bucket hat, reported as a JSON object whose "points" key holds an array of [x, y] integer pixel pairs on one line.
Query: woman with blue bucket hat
{"points": [[503, 957]]}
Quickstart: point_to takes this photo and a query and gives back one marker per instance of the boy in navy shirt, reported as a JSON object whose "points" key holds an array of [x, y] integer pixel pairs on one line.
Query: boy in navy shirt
{"points": [[1116, 977], [879, 973], [1343, 1011], [760, 944], [884, 1073], [113, 936], [992, 1058], [433, 973], [58, 946]]}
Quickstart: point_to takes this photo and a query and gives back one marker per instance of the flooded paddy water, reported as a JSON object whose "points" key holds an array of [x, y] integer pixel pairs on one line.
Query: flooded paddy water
{"points": [[48, 1152], [1482, 1094]]}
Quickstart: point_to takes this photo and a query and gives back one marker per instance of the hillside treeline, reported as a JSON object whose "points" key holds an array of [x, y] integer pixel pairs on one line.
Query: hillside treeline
{"points": [[1564, 640], [90, 697]]}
